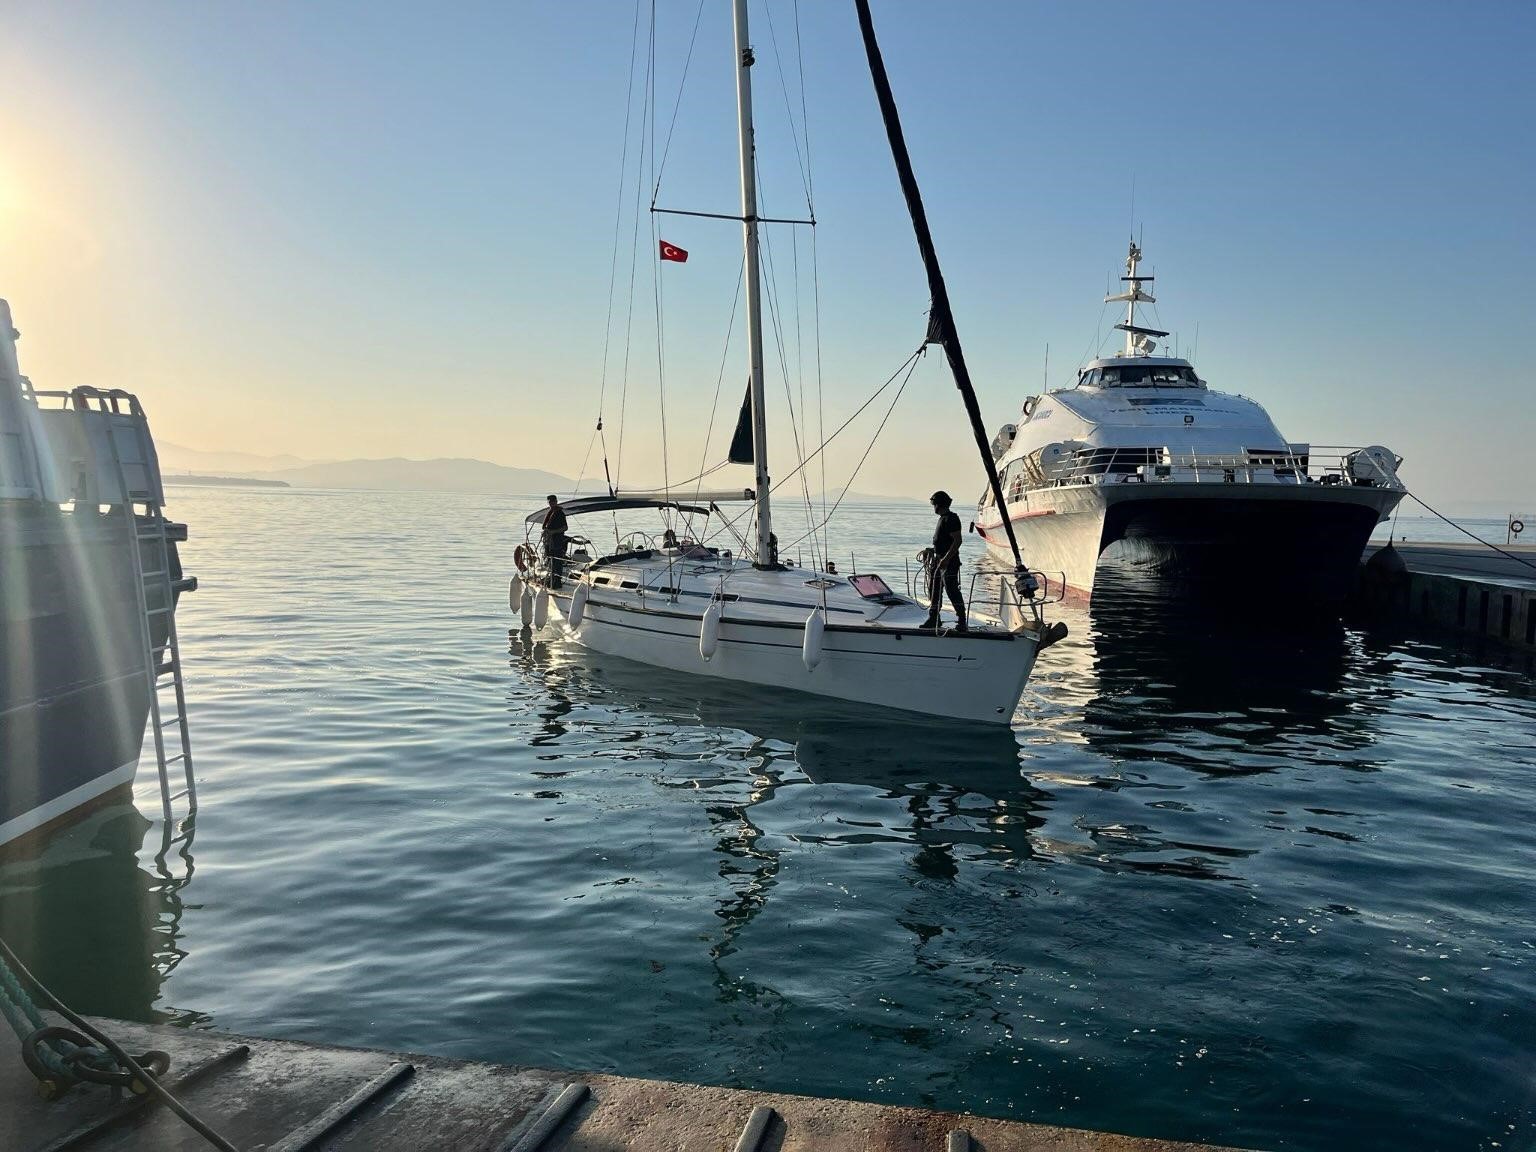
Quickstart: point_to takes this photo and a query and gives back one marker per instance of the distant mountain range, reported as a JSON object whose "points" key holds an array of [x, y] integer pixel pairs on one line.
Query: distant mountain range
{"points": [[393, 475], [175, 458]]}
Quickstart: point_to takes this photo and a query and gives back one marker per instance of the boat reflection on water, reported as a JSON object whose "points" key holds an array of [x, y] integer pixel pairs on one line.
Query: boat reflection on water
{"points": [[100, 928], [927, 792], [933, 764], [1165, 686], [833, 741], [1228, 683]]}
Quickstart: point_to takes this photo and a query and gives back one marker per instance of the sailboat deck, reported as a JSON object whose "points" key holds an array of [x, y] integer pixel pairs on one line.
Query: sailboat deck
{"points": [[664, 582]]}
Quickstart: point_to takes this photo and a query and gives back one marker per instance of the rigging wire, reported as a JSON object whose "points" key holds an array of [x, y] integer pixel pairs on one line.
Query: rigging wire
{"points": [[778, 332], [856, 468], [656, 281], [788, 108], [618, 220], [676, 104], [1097, 339], [857, 412], [634, 242], [725, 353], [591, 440], [810, 203]]}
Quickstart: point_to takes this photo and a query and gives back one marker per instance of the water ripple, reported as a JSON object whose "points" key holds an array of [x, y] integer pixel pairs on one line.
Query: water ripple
{"points": [[1236, 875]]}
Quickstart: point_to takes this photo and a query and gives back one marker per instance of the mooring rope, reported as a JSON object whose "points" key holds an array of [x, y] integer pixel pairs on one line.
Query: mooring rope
{"points": [[107, 1063], [1466, 532]]}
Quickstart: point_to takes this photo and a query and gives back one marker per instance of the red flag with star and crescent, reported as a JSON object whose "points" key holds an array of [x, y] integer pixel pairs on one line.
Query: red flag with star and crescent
{"points": [[673, 252]]}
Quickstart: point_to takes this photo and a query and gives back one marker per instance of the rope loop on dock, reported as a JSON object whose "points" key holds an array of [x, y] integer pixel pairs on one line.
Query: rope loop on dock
{"points": [[27, 1022], [61, 1057]]}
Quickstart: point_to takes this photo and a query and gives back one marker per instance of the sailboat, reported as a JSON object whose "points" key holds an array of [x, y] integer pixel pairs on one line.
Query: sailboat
{"points": [[744, 614]]}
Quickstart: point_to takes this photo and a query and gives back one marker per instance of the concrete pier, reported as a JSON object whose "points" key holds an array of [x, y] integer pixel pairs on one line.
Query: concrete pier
{"points": [[283, 1096], [1466, 587]]}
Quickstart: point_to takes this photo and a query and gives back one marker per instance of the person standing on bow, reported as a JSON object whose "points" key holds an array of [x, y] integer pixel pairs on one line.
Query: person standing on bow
{"points": [[944, 575], [554, 540]]}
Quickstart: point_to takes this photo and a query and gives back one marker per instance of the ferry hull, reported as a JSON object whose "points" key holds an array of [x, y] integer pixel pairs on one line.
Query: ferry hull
{"points": [[1240, 538], [73, 694], [982, 676]]}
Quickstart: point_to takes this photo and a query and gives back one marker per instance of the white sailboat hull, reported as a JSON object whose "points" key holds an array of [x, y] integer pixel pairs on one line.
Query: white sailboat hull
{"points": [[976, 678]]}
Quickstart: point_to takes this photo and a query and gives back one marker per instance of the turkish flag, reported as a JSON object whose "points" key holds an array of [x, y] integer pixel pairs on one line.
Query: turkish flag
{"points": [[673, 252]]}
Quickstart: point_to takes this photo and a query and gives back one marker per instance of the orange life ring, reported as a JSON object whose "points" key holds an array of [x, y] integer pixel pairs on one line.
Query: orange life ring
{"points": [[523, 556]]}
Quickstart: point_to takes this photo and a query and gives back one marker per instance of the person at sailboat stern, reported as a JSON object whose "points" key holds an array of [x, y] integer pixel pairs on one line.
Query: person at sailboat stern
{"points": [[944, 563], [554, 540]]}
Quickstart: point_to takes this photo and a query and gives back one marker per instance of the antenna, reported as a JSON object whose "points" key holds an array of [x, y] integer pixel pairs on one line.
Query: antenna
{"points": [[1193, 352], [1045, 374]]}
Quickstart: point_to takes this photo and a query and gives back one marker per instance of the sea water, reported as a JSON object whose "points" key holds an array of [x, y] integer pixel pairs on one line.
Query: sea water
{"points": [[1237, 874]]}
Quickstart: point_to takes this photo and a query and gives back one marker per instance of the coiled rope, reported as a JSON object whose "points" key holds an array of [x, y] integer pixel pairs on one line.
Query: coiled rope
{"points": [[63, 1057]]}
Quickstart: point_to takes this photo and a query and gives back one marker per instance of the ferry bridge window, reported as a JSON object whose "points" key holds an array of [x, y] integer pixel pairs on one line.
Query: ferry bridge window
{"points": [[1151, 376]]}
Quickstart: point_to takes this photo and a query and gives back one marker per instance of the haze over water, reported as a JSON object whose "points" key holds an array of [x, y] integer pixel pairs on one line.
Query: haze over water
{"points": [[1244, 877]]}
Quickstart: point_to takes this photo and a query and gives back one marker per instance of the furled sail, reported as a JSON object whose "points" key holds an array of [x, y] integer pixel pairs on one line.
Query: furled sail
{"points": [[741, 439], [941, 321]]}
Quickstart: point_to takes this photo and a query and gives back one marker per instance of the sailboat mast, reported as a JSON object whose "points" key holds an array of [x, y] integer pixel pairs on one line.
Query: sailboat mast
{"points": [[744, 62]]}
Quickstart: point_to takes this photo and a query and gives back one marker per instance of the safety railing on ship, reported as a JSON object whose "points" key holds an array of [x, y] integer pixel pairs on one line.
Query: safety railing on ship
{"points": [[1326, 465]]}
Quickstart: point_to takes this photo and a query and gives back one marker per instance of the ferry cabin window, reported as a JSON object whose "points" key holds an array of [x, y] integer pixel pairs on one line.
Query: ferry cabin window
{"points": [[1143, 376]]}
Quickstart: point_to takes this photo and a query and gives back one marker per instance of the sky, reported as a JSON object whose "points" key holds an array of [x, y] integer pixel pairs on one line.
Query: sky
{"points": [[387, 229]]}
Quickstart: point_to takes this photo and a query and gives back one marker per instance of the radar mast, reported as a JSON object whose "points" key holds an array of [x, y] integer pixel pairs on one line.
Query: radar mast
{"points": [[1138, 341]]}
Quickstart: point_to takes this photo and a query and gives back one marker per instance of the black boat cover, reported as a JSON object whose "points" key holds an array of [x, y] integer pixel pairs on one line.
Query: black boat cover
{"points": [[582, 505]]}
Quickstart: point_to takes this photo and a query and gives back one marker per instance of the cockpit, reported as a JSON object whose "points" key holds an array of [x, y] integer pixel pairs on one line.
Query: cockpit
{"points": [[1141, 376]]}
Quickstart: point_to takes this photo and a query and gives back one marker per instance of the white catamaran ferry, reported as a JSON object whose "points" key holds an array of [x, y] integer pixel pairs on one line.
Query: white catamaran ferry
{"points": [[1140, 460]]}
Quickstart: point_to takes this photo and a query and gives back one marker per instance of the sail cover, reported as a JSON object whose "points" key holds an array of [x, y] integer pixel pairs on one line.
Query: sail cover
{"points": [[580, 505], [741, 439]]}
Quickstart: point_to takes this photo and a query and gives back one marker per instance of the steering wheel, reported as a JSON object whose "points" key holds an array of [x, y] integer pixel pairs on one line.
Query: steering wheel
{"points": [[637, 542]]}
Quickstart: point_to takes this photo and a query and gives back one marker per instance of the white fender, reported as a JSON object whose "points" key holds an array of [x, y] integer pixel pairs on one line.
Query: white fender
{"points": [[525, 606], [810, 649], [709, 630], [578, 605], [541, 608], [515, 593]]}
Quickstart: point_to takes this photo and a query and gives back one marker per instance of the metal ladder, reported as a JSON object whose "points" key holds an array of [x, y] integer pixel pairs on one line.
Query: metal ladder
{"points": [[156, 597]]}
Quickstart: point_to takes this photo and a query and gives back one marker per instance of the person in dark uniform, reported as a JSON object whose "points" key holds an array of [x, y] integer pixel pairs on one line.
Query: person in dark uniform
{"points": [[945, 558], [554, 540]]}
